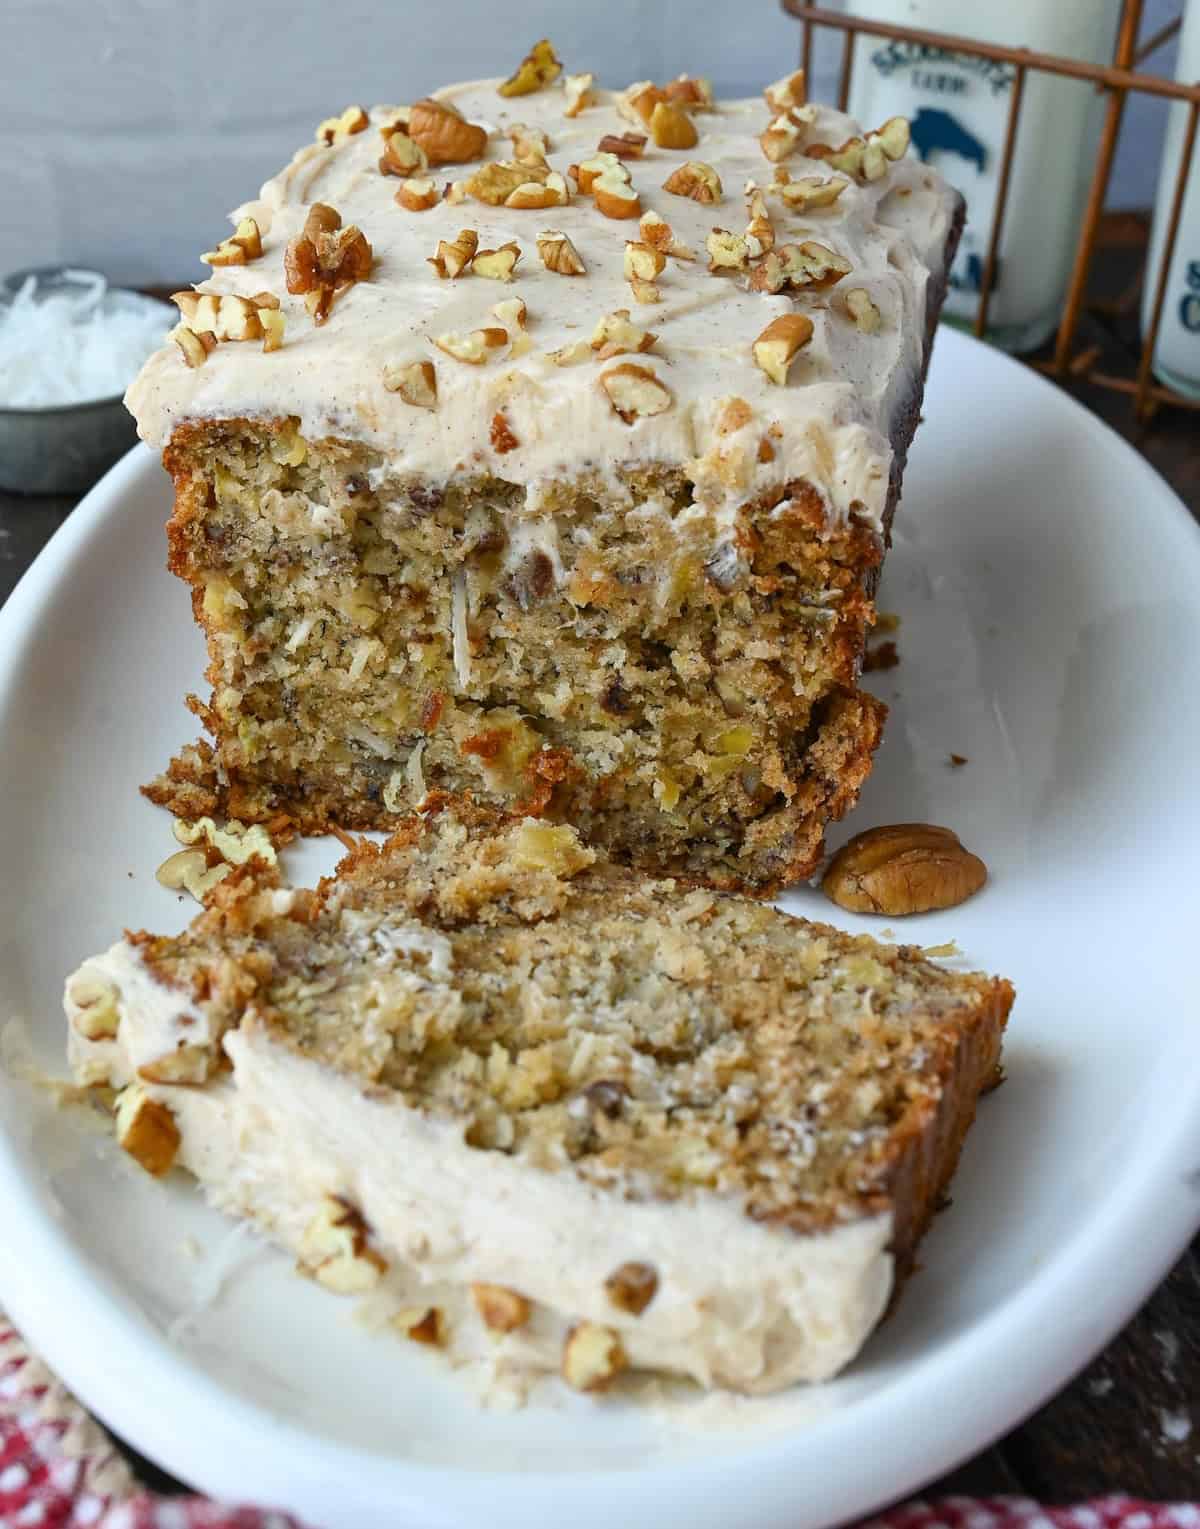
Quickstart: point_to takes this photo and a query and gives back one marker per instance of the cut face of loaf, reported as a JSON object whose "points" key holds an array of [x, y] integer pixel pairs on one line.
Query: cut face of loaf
{"points": [[497, 1062], [685, 696], [563, 485]]}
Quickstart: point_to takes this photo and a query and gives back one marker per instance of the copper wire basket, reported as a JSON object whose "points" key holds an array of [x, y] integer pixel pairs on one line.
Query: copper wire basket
{"points": [[1116, 80]]}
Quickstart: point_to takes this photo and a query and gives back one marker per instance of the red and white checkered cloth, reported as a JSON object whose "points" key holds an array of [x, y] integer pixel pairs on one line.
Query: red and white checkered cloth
{"points": [[59, 1470]]}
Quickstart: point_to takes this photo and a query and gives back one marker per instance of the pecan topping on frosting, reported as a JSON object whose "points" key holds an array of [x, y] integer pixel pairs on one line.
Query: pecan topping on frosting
{"points": [[538, 68], [325, 259], [444, 134], [244, 244], [334, 129]]}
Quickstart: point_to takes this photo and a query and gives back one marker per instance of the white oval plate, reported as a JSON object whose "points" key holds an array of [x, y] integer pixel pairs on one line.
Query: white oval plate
{"points": [[1047, 583]]}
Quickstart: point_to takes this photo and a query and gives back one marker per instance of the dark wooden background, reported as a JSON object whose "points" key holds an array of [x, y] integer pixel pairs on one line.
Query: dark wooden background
{"points": [[1131, 1421]]}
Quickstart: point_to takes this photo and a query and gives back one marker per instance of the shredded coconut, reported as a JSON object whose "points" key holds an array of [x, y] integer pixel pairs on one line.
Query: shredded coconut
{"points": [[363, 650], [462, 641], [415, 775], [70, 338]]}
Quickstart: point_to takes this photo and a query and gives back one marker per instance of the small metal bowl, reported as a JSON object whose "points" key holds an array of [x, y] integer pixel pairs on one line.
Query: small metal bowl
{"points": [[62, 448]]}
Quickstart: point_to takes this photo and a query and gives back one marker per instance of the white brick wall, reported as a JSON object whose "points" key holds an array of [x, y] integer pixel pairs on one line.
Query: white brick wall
{"points": [[130, 127]]}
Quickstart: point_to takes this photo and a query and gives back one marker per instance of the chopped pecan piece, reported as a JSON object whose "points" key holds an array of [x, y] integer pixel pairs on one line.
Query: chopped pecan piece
{"points": [[578, 88], [215, 318], [813, 265], [727, 251], [586, 174], [146, 1130], [453, 257], [195, 348], [539, 67], [497, 264], [325, 259], [808, 192], [696, 180], [866, 158], [893, 137], [511, 312], [502, 438], [415, 381], [417, 195], [769, 274], [672, 128], [623, 145], [474, 347], [635, 392], [245, 243], [643, 262], [444, 133], [334, 129], [552, 192], [862, 310], [530, 144], [94, 1008], [494, 182], [592, 1357], [503, 1310], [788, 92], [760, 231], [615, 197], [852, 158], [657, 231], [809, 266], [693, 91], [780, 343], [272, 321], [636, 102], [615, 335], [402, 155], [632, 1286], [422, 1324], [559, 254], [573, 354], [783, 135], [335, 1249]]}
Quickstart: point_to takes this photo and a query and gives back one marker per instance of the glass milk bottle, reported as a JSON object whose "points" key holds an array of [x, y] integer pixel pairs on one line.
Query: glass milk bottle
{"points": [[958, 107], [1177, 353]]}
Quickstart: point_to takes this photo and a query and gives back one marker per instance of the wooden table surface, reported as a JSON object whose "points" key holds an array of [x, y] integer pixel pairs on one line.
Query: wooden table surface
{"points": [[1131, 1421]]}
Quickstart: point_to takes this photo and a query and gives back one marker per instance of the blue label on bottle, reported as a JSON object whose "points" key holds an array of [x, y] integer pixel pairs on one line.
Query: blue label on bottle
{"points": [[936, 132]]}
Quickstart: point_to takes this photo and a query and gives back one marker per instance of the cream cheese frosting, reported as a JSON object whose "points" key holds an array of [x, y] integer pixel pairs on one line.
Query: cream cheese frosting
{"points": [[832, 424], [739, 1304]]}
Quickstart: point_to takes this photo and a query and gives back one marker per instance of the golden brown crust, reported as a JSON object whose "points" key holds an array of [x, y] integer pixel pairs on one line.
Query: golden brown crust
{"points": [[929, 1142]]}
